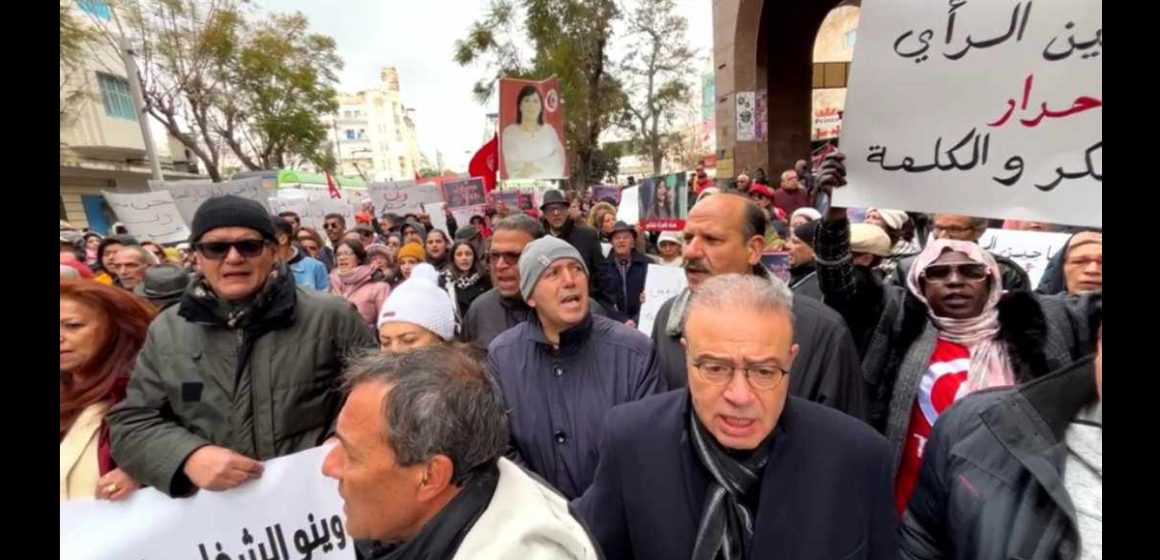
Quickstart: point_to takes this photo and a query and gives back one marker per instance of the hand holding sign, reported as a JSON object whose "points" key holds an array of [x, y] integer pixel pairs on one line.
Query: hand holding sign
{"points": [[217, 468]]}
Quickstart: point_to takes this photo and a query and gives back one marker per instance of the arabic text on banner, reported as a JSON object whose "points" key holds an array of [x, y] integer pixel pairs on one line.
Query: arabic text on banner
{"points": [[403, 197], [149, 216], [991, 109], [189, 195], [1032, 250], [291, 512]]}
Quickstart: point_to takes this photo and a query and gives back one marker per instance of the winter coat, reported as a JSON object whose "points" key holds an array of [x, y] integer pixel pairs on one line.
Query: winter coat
{"points": [[624, 291], [362, 287], [992, 483], [557, 398], [897, 338], [263, 380]]}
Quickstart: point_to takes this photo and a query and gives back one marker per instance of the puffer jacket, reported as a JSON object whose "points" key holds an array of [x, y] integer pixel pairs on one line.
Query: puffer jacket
{"points": [[992, 483], [364, 288], [262, 380], [896, 337]]}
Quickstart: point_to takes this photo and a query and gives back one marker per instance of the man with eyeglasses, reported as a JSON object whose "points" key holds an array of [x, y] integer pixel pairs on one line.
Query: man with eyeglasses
{"points": [[502, 307], [970, 229], [245, 369], [733, 466], [723, 235], [562, 368]]}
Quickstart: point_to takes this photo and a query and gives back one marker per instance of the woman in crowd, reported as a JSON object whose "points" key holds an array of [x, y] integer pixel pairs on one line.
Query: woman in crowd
{"points": [[602, 218], [157, 251], [418, 314], [410, 255], [1078, 268], [101, 330], [383, 260], [464, 279], [356, 281], [310, 242]]}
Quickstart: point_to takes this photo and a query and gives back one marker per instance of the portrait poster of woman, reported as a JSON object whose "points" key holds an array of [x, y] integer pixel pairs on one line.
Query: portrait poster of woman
{"points": [[663, 200], [531, 121]]}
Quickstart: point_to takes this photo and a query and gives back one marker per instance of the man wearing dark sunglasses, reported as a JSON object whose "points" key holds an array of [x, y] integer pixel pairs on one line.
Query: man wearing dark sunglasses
{"points": [[949, 331], [243, 370]]}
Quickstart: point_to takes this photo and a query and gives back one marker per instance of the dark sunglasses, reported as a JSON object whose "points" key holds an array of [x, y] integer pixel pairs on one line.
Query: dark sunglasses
{"points": [[942, 272], [217, 250], [512, 257]]}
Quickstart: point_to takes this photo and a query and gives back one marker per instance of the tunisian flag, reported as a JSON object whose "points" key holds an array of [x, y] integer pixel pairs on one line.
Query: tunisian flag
{"points": [[485, 162]]}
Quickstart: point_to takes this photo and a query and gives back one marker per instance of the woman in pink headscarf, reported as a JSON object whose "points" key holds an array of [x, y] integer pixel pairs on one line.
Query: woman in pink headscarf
{"points": [[950, 331]]}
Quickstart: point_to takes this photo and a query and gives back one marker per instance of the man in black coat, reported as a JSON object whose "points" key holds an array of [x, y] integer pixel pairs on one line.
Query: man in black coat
{"points": [[724, 234], [732, 466], [624, 274], [559, 224]]}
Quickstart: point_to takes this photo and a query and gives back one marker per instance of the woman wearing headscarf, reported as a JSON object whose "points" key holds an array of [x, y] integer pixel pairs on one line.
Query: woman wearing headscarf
{"points": [[949, 332], [101, 330], [356, 281], [1076, 269]]}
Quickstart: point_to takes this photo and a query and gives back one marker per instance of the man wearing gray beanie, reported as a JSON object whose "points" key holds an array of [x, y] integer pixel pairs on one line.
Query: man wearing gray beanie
{"points": [[563, 368], [244, 369]]}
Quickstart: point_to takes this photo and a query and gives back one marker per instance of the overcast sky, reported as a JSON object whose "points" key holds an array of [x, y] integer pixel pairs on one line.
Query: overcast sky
{"points": [[417, 37]]}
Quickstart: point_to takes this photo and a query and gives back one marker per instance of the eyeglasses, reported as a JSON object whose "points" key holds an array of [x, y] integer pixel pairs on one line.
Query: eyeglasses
{"points": [[217, 250], [762, 378], [942, 272], [512, 257]]}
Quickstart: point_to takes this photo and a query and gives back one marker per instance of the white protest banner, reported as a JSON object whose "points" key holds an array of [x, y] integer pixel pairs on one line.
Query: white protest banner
{"points": [[149, 216], [312, 213], [291, 512], [660, 285], [1032, 250], [629, 209], [990, 109], [403, 197], [437, 212], [746, 111], [299, 206], [190, 194]]}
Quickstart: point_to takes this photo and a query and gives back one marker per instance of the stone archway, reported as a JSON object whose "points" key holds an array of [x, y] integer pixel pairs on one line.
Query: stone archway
{"points": [[766, 45]]}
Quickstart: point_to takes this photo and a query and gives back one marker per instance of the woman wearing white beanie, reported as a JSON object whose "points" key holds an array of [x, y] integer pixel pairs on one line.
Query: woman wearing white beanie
{"points": [[417, 314]]}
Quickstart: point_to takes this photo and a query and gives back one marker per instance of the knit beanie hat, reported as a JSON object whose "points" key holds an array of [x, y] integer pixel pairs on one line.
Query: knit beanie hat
{"points": [[413, 250], [419, 301], [539, 255], [231, 211]]}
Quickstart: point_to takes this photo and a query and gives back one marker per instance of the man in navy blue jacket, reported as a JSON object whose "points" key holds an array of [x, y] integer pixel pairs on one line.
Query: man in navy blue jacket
{"points": [[732, 466]]}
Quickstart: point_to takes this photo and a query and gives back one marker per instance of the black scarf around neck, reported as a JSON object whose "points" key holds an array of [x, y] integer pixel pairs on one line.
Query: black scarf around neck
{"points": [[440, 537], [725, 531]]}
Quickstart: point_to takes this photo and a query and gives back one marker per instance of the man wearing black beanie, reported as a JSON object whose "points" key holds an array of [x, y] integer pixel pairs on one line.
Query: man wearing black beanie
{"points": [[245, 369]]}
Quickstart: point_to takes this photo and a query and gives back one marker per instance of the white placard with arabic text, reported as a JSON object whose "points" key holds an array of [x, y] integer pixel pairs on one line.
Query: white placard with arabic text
{"points": [[991, 109], [149, 216], [189, 195], [404, 197], [292, 512], [1032, 250], [661, 284]]}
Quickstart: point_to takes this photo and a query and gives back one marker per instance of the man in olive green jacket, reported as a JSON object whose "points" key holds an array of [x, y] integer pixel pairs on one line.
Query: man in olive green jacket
{"points": [[244, 370]]}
